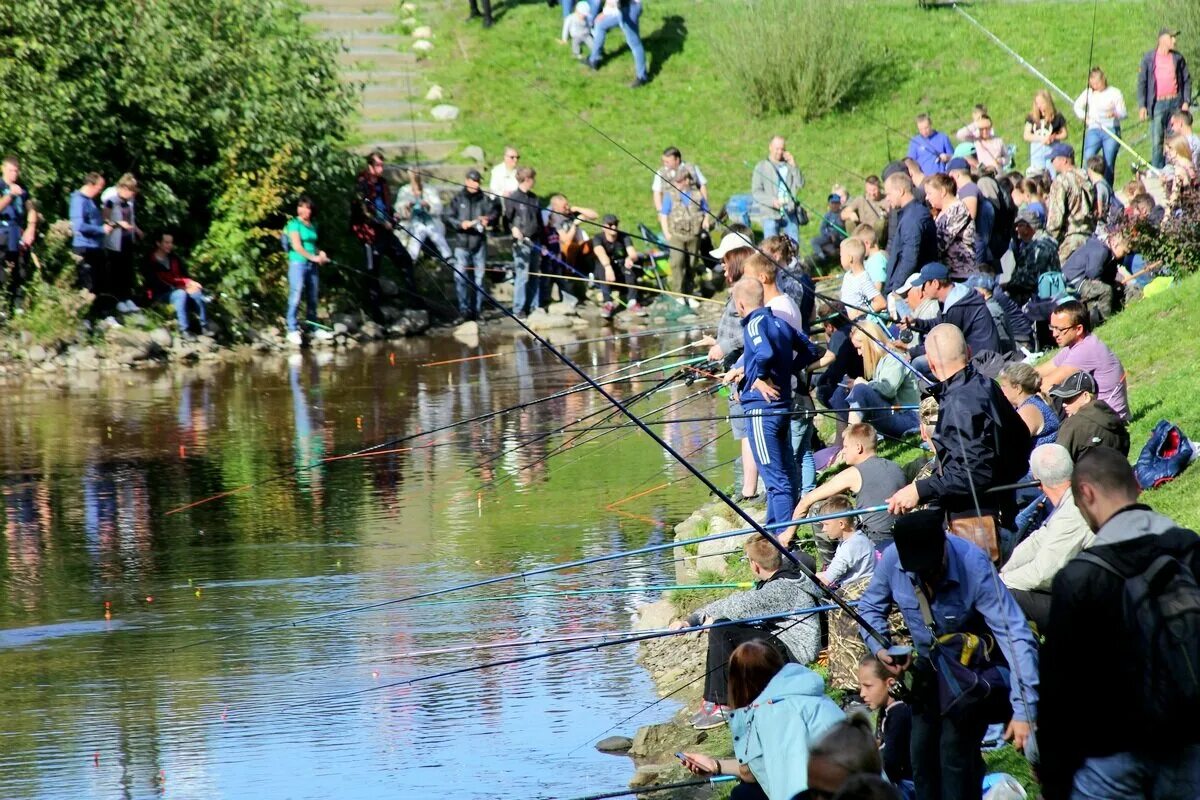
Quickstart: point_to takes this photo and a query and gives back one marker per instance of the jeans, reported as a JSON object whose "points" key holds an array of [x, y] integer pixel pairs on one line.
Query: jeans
{"points": [[945, 752], [470, 295], [801, 429], [892, 424], [179, 299], [1163, 109], [790, 225], [1096, 141], [302, 280], [628, 19], [1027, 513], [1134, 776], [1039, 157], [425, 234], [526, 258]]}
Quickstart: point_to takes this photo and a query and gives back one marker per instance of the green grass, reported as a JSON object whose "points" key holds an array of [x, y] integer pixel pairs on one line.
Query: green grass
{"points": [[517, 85]]}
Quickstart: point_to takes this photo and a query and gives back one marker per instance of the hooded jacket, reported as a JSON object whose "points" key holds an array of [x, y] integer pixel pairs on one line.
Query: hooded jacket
{"points": [[980, 441], [786, 590], [1091, 426], [772, 735], [1080, 697], [774, 351], [966, 310]]}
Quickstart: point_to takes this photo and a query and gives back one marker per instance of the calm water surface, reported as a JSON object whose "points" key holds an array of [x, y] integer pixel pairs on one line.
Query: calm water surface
{"points": [[145, 704]]}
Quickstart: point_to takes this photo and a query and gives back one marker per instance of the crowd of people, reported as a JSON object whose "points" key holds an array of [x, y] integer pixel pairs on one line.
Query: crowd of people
{"points": [[985, 572]]}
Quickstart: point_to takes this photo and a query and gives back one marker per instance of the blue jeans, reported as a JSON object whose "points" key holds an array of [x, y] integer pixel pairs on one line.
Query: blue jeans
{"points": [[1097, 141], [470, 296], [1135, 776], [803, 463], [791, 226], [526, 258], [892, 424], [302, 280], [628, 20], [768, 434], [1039, 157], [179, 299], [1163, 109]]}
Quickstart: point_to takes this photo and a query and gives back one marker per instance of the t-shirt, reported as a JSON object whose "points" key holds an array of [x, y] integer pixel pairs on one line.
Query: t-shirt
{"points": [[858, 290], [876, 265], [785, 308], [968, 190], [12, 220], [854, 559], [1164, 76], [1092, 356], [1041, 127], [119, 210], [308, 239], [615, 250]]}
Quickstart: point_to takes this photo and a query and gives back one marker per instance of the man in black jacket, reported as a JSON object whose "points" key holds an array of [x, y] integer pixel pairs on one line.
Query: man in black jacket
{"points": [[1159, 100], [979, 442], [523, 218], [1095, 739], [469, 216], [914, 243]]}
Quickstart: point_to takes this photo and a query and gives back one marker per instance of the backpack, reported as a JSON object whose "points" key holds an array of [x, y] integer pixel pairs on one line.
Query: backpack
{"points": [[1051, 285], [1161, 610], [1164, 457], [685, 220]]}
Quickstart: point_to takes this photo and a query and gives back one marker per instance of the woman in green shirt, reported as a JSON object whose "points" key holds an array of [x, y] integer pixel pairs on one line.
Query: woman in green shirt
{"points": [[303, 259], [885, 382]]}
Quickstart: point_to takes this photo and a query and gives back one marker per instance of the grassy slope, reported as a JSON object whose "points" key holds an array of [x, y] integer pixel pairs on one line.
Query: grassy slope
{"points": [[936, 61]]}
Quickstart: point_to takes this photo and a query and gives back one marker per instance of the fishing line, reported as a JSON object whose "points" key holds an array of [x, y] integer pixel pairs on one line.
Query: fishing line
{"points": [[661, 787], [1087, 94], [593, 280], [1050, 84]]}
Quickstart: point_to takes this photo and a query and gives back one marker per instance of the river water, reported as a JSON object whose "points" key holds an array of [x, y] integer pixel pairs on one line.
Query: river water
{"points": [[114, 681]]}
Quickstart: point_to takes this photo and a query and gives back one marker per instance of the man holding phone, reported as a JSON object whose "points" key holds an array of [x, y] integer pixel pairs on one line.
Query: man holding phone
{"points": [[963, 594], [774, 184]]}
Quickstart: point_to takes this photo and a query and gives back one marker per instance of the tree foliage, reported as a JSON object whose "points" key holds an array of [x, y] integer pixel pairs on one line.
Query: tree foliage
{"points": [[223, 109]]}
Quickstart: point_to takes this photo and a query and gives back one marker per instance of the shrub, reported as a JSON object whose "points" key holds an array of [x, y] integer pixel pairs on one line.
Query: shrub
{"points": [[1182, 14], [807, 57], [1176, 242]]}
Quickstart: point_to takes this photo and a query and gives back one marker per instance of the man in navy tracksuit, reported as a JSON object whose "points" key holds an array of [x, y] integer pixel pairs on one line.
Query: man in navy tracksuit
{"points": [[774, 351]]}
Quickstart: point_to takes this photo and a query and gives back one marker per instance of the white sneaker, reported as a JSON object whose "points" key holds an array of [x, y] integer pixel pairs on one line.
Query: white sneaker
{"points": [[322, 335], [294, 339]]}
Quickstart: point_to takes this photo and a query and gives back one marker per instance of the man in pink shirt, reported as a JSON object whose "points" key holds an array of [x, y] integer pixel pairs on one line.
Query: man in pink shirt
{"points": [[1082, 351], [1164, 86]]}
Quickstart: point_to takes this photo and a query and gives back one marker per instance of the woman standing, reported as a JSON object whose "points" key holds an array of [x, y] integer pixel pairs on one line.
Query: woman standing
{"points": [[885, 382], [1043, 127], [303, 260], [955, 228], [779, 710], [1101, 107]]}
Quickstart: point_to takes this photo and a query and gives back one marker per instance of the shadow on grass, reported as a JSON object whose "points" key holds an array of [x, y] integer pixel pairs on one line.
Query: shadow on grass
{"points": [[665, 42]]}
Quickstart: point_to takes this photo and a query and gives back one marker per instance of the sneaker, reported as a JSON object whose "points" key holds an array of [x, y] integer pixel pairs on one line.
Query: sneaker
{"points": [[710, 716], [322, 335], [746, 498], [638, 82], [637, 309], [607, 310], [294, 339]]}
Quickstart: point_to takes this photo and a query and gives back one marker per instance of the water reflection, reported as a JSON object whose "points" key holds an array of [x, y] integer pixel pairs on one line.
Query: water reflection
{"points": [[114, 708]]}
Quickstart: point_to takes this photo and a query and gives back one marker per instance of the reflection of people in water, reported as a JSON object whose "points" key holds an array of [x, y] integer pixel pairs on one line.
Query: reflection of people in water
{"points": [[309, 440], [116, 518], [26, 522]]}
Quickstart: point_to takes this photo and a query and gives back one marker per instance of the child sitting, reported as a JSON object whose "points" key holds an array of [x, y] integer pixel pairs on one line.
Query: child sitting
{"points": [[859, 293], [578, 29], [877, 258], [893, 723], [854, 558]]}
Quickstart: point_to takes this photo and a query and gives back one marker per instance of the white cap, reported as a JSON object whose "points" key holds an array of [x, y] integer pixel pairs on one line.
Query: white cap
{"points": [[730, 241]]}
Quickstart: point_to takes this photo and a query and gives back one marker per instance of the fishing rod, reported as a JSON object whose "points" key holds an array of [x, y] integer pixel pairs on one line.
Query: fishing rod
{"points": [[641, 636], [658, 787], [545, 570], [806, 414], [1112, 135], [384, 445], [634, 286], [587, 592]]}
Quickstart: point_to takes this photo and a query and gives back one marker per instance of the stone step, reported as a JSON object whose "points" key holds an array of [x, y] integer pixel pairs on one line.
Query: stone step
{"points": [[376, 59], [400, 150], [392, 92], [384, 77], [356, 41], [373, 109], [349, 22], [399, 128], [355, 6]]}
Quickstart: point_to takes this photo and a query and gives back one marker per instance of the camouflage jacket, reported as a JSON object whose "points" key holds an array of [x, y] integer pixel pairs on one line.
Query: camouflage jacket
{"points": [[1071, 207], [1035, 257]]}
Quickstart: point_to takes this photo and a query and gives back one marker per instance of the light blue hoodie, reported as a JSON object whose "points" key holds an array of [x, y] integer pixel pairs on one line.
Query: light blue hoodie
{"points": [[772, 735]]}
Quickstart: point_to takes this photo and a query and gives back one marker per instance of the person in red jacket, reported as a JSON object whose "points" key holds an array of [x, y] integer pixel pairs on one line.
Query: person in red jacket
{"points": [[168, 280]]}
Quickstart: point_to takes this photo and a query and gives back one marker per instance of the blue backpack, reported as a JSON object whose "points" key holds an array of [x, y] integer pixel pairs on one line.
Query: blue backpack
{"points": [[1051, 285], [1164, 457]]}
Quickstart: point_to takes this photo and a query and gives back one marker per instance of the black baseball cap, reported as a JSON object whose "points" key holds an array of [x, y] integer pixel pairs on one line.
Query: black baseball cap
{"points": [[920, 538], [1074, 385], [610, 219], [473, 175]]}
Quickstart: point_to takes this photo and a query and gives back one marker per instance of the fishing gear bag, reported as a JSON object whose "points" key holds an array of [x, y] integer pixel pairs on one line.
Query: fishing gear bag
{"points": [[1164, 457], [1161, 610], [971, 673]]}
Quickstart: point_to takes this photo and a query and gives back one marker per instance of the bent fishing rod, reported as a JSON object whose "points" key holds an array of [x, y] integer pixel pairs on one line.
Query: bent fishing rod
{"points": [[658, 787], [389, 443]]}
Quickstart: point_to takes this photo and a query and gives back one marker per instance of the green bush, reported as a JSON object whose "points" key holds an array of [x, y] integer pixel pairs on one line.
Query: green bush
{"points": [[803, 57], [1175, 242], [201, 99]]}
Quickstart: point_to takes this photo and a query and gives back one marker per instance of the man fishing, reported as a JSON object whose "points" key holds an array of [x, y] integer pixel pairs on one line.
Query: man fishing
{"points": [[774, 352]]}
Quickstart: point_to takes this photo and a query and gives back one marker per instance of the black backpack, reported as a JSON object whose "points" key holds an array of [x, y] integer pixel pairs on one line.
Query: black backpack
{"points": [[1161, 610]]}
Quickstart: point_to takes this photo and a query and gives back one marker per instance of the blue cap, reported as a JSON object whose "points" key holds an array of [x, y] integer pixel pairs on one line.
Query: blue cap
{"points": [[1062, 150], [964, 149], [958, 164], [834, 198], [982, 281], [934, 271]]}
